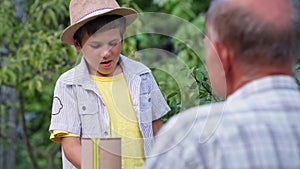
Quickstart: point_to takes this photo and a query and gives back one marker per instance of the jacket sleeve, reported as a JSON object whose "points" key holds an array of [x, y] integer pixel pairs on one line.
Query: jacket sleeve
{"points": [[65, 114], [159, 104]]}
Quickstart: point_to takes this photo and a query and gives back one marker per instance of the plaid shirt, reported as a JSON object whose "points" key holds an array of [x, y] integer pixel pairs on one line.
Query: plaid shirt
{"points": [[257, 127]]}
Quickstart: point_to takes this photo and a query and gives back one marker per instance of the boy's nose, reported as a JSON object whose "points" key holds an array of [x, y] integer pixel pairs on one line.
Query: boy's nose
{"points": [[107, 51]]}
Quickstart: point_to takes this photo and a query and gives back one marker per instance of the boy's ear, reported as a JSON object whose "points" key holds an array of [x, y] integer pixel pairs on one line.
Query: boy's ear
{"points": [[77, 45]]}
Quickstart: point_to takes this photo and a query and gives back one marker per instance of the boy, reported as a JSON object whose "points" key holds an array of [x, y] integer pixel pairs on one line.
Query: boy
{"points": [[107, 94]]}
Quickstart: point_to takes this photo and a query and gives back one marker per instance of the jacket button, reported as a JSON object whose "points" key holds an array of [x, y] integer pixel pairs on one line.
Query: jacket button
{"points": [[149, 100], [83, 108]]}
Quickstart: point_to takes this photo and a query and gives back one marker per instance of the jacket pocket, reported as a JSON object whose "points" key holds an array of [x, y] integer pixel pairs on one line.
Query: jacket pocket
{"points": [[89, 114], [145, 100]]}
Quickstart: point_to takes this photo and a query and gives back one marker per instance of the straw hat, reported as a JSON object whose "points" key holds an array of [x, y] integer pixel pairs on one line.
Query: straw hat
{"points": [[82, 11]]}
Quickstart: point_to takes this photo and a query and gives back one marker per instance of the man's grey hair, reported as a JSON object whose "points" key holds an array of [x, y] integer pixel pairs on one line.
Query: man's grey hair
{"points": [[253, 40]]}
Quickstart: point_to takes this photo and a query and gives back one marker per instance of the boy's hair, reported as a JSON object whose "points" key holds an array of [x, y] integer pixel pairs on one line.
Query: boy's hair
{"points": [[101, 23]]}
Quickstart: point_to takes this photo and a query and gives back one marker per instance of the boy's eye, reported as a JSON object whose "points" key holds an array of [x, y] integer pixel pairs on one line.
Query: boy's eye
{"points": [[113, 43], [95, 46]]}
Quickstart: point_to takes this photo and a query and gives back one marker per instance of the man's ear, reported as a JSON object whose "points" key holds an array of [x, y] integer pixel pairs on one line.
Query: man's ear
{"points": [[77, 45], [225, 55]]}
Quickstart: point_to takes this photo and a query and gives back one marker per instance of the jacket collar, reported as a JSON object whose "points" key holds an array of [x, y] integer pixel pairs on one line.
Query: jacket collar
{"points": [[79, 75]]}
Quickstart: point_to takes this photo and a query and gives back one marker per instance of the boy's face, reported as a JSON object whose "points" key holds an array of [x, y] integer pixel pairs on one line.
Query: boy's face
{"points": [[102, 51]]}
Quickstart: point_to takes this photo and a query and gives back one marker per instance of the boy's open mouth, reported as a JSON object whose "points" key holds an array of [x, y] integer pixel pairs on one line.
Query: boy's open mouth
{"points": [[106, 63]]}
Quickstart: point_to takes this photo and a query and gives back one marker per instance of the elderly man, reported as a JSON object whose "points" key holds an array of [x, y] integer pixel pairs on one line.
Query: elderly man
{"points": [[252, 48]]}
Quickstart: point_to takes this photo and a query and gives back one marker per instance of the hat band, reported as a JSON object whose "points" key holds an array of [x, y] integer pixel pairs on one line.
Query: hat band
{"points": [[94, 13]]}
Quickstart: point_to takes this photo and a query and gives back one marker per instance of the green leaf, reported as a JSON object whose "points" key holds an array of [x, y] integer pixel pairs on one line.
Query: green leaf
{"points": [[172, 94]]}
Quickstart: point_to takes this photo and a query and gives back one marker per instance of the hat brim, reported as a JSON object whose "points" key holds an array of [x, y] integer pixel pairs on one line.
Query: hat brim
{"points": [[68, 33]]}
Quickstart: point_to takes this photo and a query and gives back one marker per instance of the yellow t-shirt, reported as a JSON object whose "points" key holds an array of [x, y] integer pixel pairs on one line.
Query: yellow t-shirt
{"points": [[56, 135], [123, 120]]}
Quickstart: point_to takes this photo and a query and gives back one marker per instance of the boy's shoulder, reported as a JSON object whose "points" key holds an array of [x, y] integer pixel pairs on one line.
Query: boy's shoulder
{"points": [[76, 75], [68, 76], [132, 66]]}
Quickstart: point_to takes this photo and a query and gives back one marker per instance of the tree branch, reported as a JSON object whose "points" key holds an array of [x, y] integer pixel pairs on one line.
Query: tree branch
{"points": [[214, 98], [25, 132], [51, 155]]}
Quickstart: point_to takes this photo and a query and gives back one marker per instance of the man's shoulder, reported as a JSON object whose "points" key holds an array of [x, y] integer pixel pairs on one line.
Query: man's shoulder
{"points": [[190, 127], [202, 112], [197, 119]]}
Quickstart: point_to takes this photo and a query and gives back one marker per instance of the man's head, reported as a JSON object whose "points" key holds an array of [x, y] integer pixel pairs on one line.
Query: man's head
{"points": [[252, 39]]}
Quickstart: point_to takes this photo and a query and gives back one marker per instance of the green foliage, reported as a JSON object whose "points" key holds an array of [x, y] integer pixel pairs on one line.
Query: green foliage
{"points": [[34, 59], [189, 52]]}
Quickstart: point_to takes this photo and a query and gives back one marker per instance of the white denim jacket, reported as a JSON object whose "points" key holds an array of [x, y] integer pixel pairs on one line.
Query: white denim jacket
{"points": [[74, 109]]}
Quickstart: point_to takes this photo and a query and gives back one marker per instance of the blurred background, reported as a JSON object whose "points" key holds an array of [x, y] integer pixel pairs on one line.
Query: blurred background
{"points": [[32, 57]]}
